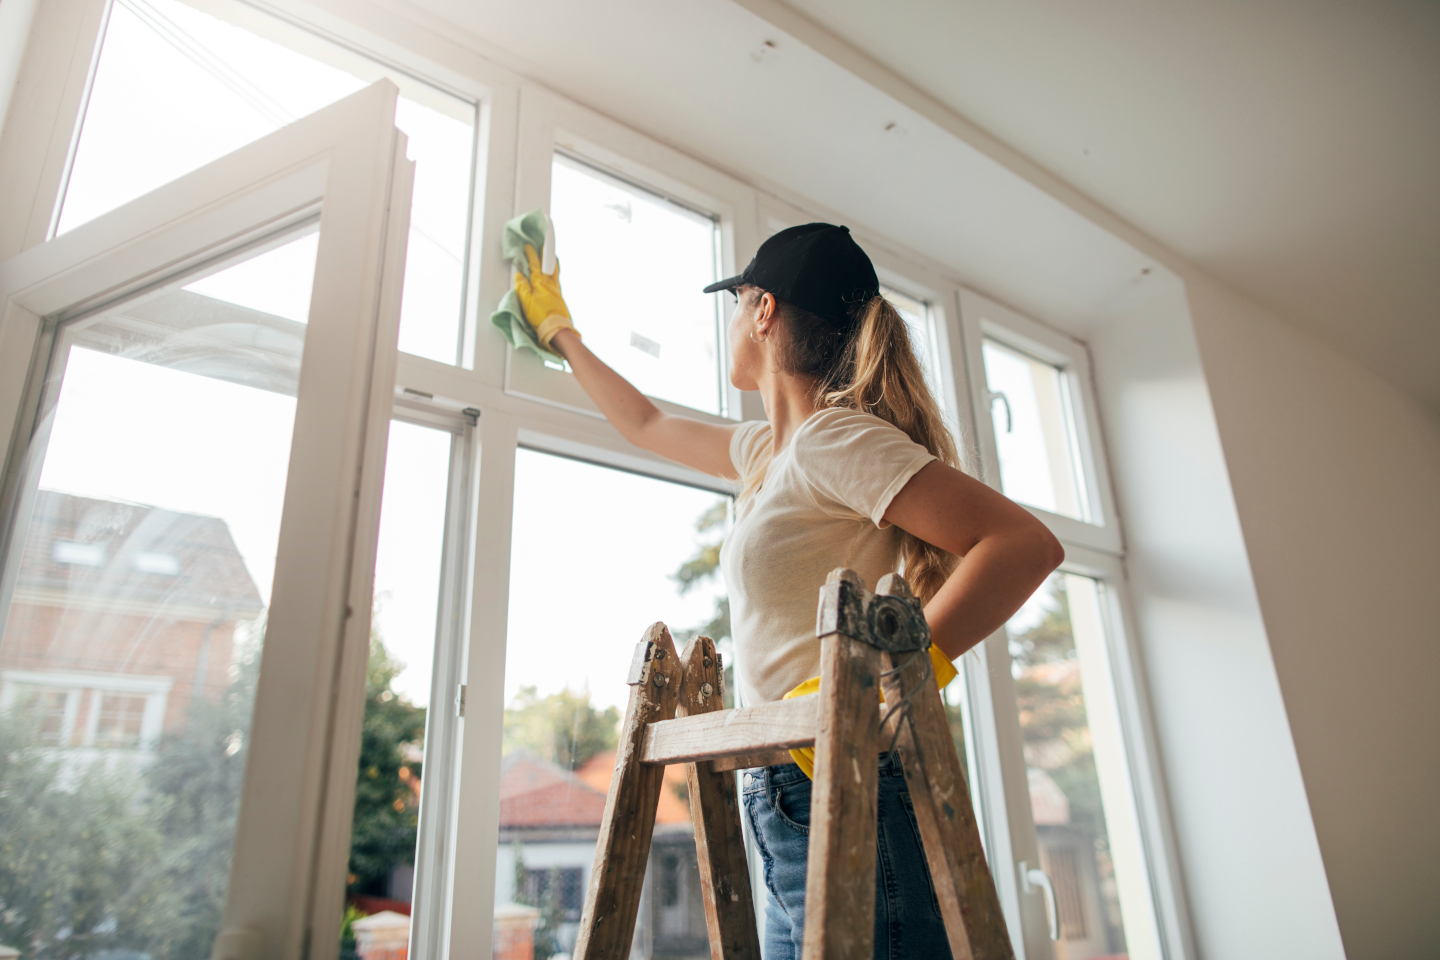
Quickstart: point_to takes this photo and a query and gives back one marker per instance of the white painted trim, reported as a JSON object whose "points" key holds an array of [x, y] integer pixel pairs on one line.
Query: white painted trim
{"points": [[112, 682], [44, 115], [982, 318], [476, 835], [1142, 749]]}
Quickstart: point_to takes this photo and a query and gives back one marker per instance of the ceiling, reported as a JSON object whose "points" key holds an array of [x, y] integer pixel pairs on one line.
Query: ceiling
{"points": [[1290, 150]]}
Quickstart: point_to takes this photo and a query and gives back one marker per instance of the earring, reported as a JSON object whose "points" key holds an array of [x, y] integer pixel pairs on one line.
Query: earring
{"points": [[753, 340]]}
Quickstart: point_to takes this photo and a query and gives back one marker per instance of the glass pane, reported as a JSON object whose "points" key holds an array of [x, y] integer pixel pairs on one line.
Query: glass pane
{"points": [[176, 88], [397, 691], [1080, 792], [1034, 432], [664, 335], [140, 571], [916, 314], [583, 588]]}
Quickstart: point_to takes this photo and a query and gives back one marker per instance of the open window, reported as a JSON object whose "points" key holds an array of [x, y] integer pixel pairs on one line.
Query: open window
{"points": [[192, 383], [216, 76]]}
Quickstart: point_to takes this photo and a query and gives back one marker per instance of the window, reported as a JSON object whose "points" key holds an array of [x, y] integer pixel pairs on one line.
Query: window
{"points": [[1082, 801], [403, 639], [916, 314], [169, 441], [120, 718], [1034, 425], [561, 887], [597, 556], [635, 262], [210, 85], [160, 424]]}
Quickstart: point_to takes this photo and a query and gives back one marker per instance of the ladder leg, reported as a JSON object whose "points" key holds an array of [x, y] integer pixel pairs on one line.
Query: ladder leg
{"points": [[963, 884], [840, 873], [607, 925], [715, 812]]}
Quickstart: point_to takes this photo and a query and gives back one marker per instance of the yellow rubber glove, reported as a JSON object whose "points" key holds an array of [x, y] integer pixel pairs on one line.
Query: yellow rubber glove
{"points": [[541, 300], [804, 757]]}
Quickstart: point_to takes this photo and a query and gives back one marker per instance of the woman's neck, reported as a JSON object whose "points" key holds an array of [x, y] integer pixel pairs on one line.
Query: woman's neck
{"points": [[789, 401]]}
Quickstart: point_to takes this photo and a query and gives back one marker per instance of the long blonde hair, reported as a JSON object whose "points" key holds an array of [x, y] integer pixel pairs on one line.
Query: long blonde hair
{"points": [[869, 367]]}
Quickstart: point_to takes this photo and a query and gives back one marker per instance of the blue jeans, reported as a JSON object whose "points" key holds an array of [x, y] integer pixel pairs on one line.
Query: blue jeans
{"points": [[907, 916]]}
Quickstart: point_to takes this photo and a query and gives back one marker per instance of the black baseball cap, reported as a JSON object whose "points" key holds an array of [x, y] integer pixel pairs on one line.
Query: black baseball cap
{"points": [[816, 266]]}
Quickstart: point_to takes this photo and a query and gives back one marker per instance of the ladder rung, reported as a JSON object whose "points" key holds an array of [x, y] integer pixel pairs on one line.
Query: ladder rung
{"points": [[727, 733]]}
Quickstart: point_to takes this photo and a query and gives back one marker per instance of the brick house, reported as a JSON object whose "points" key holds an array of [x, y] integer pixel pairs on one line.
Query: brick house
{"points": [[122, 615], [550, 821]]}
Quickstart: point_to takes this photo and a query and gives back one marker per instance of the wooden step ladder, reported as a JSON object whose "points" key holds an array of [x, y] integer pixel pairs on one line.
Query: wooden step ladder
{"points": [[675, 716]]}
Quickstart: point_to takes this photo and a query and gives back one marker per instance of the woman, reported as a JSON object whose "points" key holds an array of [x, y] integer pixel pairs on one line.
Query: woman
{"points": [[854, 468]]}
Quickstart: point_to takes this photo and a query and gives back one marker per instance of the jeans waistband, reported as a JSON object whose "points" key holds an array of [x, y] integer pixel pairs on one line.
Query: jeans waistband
{"points": [[764, 779]]}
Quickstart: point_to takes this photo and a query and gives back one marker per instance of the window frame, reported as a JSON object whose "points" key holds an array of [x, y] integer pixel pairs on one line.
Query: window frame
{"points": [[984, 319], [42, 132], [550, 124], [345, 168]]}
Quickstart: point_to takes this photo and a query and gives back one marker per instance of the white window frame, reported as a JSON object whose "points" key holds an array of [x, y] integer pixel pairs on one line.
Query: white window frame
{"points": [[549, 124], [344, 167], [984, 319]]}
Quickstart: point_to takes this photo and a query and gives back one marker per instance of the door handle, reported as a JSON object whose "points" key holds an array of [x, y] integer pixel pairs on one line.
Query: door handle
{"points": [[1031, 877]]}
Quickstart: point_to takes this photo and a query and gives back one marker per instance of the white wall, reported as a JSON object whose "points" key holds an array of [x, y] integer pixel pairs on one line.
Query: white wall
{"points": [[1248, 855], [15, 18], [1336, 477]]}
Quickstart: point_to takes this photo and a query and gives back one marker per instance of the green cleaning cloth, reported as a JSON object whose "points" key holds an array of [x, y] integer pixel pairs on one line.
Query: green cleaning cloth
{"points": [[508, 316]]}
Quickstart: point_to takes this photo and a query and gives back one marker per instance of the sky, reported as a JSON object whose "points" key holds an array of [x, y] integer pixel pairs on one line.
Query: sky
{"points": [[176, 88], [592, 557]]}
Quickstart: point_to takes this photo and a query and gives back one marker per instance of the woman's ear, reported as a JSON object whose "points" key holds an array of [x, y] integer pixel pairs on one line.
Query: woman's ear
{"points": [[765, 314]]}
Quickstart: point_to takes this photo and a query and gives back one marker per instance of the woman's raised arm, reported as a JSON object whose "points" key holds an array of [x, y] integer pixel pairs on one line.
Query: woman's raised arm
{"points": [[695, 443]]}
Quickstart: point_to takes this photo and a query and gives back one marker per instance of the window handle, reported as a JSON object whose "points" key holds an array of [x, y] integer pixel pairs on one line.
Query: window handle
{"points": [[1009, 419], [1032, 877]]}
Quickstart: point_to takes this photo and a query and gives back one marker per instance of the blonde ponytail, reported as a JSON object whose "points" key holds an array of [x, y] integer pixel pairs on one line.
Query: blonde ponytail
{"points": [[873, 369]]}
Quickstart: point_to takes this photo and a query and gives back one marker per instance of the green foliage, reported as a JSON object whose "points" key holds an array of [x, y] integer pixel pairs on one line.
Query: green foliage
{"points": [[563, 728], [347, 928], [386, 816], [1052, 709], [703, 566], [94, 857], [706, 561]]}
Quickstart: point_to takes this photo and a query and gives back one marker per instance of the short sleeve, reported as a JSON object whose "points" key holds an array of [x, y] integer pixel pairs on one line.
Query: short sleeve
{"points": [[745, 445], [856, 461]]}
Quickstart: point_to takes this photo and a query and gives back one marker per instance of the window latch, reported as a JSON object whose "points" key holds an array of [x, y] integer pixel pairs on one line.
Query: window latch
{"points": [[460, 700]]}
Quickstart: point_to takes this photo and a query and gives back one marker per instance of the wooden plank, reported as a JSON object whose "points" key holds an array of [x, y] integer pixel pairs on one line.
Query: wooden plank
{"points": [[840, 874], [612, 901], [744, 761], [723, 733], [715, 813], [963, 884]]}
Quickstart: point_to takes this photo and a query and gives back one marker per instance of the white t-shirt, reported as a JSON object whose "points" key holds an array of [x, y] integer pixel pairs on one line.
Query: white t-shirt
{"points": [[820, 507]]}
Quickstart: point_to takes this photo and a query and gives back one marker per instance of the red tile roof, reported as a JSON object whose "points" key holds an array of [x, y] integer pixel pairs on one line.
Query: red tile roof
{"points": [[537, 793], [598, 770]]}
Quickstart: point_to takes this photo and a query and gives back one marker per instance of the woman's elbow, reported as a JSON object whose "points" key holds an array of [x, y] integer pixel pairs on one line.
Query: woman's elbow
{"points": [[1048, 551]]}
